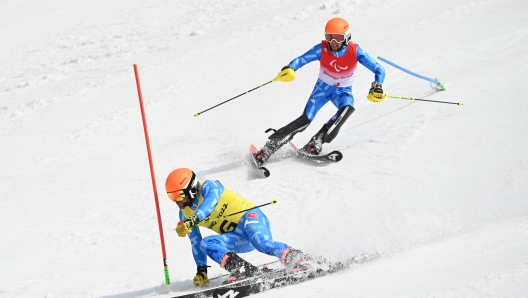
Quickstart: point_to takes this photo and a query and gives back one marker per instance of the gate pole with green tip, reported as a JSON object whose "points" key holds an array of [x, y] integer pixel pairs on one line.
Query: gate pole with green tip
{"points": [[160, 227], [441, 86]]}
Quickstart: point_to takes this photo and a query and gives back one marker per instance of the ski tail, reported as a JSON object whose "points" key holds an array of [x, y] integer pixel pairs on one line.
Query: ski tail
{"points": [[253, 151]]}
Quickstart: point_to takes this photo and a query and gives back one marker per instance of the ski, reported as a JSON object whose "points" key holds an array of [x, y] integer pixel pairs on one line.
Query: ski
{"points": [[263, 284], [223, 276], [226, 288], [286, 279], [278, 278], [334, 156], [253, 150], [210, 292]]}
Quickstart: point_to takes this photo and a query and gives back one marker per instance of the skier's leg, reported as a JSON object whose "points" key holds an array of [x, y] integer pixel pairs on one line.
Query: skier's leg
{"points": [[317, 100], [287, 132], [334, 124], [343, 100], [281, 137], [223, 249], [217, 246], [321, 94], [256, 228]]}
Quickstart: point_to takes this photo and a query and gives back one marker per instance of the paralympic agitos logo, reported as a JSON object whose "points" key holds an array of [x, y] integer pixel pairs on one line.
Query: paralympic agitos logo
{"points": [[333, 63]]}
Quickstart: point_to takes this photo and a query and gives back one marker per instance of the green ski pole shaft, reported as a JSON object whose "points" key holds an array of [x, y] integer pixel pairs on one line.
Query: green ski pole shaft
{"points": [[198, 114]]}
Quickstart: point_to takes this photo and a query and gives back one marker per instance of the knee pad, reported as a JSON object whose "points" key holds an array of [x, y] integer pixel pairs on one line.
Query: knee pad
{"points": [[335, 125]]}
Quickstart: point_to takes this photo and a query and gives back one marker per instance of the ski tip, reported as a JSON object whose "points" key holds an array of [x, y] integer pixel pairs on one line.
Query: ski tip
{"points": [[335, 156], [264, 172]]}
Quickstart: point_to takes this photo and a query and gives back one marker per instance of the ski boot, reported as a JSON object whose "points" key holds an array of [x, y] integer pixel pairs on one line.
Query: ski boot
{"points": [[303, 265], [315, 145], [239, 268], [266, 152], [295, 260]]}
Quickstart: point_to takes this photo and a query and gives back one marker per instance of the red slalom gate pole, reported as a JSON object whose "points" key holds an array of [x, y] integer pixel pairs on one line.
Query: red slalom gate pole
{"points": [[165, 266]]}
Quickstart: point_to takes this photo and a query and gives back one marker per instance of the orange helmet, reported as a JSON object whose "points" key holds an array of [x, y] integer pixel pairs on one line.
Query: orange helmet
{"points": [[337, 29], [337, 25], [183, 181]]}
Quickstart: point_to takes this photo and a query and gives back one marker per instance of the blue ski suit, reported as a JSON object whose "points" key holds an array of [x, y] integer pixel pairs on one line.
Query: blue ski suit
{"points": [[323, 92], [240, 233]]}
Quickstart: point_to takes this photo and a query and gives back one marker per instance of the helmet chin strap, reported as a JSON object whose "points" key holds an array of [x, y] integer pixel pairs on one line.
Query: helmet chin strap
{"points": [[194, 193]]}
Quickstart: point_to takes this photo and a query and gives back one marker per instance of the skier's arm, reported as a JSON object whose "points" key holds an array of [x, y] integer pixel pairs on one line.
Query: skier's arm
{"points": [[210, 191], [200, 258], [371, 64], [312, 55]]}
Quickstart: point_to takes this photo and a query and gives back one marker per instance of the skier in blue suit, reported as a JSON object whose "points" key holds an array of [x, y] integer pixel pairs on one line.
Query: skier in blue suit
{"points": [[338, 58], [240, 226]]}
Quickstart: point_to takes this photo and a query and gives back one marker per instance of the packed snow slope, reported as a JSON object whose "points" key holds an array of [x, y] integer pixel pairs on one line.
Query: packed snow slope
{"points": [[438, 190]]}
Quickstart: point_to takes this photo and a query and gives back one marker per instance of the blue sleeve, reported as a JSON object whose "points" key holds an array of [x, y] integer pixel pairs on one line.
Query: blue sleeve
{"points": [[371, 64], [200, 258], [210, 191], [312, 55]]}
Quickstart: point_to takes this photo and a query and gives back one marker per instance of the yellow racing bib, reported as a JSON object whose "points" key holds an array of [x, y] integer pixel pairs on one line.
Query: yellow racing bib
{"points": [[228, 203]]}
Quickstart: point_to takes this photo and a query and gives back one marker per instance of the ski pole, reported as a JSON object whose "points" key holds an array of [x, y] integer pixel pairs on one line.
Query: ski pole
{"points": [[442, 87], [198, 114], [222, 217], [418, 99], [285, 75]]}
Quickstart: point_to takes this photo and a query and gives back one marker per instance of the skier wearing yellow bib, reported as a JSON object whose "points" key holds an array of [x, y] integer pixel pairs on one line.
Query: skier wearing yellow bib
{"points": [[201, 202]]}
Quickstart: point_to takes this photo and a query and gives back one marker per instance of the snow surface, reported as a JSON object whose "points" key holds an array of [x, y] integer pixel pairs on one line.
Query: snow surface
{"points": [[439, 190]]}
